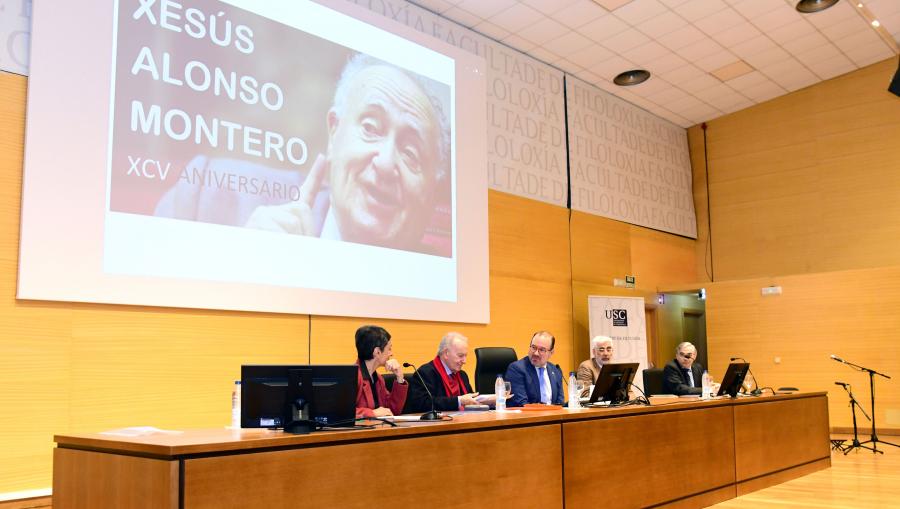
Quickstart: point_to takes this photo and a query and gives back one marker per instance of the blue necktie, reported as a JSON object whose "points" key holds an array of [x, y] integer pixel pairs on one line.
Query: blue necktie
{"points": [[545, 398]]}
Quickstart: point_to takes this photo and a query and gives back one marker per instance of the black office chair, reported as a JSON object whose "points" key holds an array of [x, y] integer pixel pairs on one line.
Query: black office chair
{"points": [[653, 381], [390, 378], [491, 361]]}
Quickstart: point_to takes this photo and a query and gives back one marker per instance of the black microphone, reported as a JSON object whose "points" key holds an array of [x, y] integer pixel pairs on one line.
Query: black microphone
{"points": [[427, 416], [835, 357], [842, 384], [755, 391]]}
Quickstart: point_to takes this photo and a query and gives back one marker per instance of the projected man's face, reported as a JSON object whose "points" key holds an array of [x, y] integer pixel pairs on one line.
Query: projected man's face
{"points": [[383, 155]]}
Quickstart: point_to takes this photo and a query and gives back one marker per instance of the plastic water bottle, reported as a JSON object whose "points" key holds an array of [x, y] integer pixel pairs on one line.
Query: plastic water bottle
{"points": [[707, 385], [573, 393], [236, 405], [500, 392]]}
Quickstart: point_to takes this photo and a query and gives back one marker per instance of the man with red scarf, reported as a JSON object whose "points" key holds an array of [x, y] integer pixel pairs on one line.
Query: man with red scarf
{"points": [[445, 379]]}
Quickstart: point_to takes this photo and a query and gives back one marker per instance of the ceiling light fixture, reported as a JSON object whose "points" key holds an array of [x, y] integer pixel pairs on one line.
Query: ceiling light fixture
{"points": [[632, 77], [811, 6]]}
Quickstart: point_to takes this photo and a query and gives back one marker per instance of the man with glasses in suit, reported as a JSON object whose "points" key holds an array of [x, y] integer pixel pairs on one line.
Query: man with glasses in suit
{"points": [[533, 378], [682, 375]]}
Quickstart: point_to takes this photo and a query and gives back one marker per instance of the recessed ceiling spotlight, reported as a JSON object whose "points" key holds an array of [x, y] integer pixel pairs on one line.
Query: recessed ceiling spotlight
{"points": [[632, 77], [875, 23], [811, 6]]}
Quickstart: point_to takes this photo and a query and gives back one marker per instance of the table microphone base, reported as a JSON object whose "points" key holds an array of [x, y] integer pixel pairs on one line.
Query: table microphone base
{"points": [[431, 416]]}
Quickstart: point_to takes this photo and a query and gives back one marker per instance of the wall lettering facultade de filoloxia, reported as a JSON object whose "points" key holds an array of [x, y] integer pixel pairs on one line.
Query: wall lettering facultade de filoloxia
{"points": [[625, 163]]}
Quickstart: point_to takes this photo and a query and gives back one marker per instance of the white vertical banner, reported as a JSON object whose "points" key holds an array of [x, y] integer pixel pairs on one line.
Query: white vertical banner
{"points": [[623, 319]]}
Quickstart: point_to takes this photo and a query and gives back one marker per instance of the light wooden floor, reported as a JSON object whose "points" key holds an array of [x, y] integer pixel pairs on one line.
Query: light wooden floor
{"points": [[859, 480]]}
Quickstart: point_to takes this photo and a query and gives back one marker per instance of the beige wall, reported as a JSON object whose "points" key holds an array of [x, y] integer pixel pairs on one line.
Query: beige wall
{"points": [[80, 367], [803, 193]]}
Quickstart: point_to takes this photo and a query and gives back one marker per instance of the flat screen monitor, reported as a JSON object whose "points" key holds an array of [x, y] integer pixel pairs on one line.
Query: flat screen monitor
{"points": [[613, 382], [733, 379], [265, 398]]}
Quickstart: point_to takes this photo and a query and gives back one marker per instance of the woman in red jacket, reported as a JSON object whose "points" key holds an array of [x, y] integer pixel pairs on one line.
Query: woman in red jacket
{"points": [[374, 350]]}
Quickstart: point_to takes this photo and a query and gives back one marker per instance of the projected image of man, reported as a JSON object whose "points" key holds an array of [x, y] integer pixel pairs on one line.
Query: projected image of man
{"points": [[388, 146]]}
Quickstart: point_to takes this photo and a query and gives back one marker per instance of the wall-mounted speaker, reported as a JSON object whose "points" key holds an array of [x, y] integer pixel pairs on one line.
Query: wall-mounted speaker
{"points": [[895, 83]]}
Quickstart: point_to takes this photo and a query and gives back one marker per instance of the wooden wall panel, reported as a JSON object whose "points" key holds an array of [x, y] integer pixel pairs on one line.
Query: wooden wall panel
{"points": [[528, 239], [852, 314], [601, 249], [807, 182], [169, 368], [34, 344], [660, 258]]}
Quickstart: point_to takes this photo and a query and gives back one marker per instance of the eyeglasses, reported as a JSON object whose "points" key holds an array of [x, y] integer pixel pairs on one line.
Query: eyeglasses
{"points": [[686, 355], [539, 349]]}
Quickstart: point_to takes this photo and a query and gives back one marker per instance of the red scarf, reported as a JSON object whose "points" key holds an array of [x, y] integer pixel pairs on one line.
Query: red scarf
{"points": [[448, 385]]}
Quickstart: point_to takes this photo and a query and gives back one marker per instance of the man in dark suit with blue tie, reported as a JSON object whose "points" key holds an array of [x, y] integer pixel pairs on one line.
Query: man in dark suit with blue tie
{"points": [[683, 376], [533, 379]]}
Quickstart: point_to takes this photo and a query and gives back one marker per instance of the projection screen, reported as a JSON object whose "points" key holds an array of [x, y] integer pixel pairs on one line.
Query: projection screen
{"points": [[282, 156]]}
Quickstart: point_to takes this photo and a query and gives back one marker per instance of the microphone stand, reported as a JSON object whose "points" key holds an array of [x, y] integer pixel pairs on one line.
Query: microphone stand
{"points": [[874, 440], [427, 416], [853, 405]]}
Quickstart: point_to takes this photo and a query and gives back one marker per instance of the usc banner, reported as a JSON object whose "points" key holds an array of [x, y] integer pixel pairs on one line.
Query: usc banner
{"points": [[623, 320]]}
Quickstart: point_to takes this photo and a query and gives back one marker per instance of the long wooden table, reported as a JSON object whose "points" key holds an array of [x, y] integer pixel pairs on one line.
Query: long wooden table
{"points": [[686, 454]]}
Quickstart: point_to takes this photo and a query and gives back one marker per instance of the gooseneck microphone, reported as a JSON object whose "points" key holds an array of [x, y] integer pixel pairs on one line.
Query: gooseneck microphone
{"points": [[427, 416], [755, 391], [836, 358], [842, 384]]}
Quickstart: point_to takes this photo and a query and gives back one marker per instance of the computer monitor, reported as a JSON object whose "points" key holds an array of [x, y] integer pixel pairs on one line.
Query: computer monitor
{"points": [[733, 379], [329, 392], [613, 382]]}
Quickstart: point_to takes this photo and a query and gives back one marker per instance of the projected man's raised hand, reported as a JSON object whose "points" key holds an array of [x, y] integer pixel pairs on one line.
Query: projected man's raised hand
{"points": [[295, 216]]}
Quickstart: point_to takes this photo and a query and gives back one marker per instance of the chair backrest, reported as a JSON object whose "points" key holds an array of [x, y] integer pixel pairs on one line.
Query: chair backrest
{"points": [[491, 361], [653, 381], [390, 378]]}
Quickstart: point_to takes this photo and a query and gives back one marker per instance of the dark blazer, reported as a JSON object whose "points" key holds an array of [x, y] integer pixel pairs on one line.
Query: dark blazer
{"points": [[523, 381], [675, 381], [417, 400]]}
